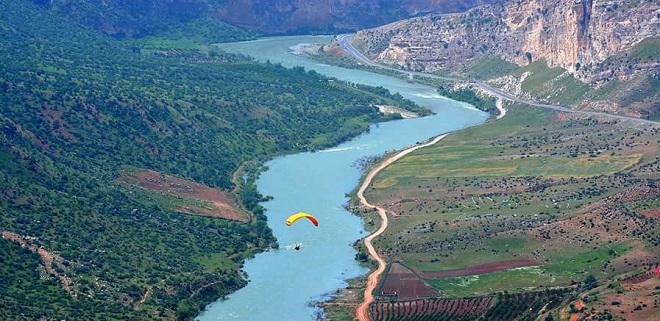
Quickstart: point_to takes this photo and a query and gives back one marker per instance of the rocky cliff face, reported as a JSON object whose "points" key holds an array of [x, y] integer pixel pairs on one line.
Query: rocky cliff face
{"points": [[573, 34]]}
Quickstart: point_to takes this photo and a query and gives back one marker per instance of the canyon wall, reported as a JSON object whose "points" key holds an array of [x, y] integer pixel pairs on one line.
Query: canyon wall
{"points": [[573, 34]]}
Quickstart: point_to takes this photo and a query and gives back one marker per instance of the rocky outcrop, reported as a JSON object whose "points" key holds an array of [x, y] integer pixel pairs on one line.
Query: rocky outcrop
{"points": [[611, 46], [573, 34], [580, 34]]}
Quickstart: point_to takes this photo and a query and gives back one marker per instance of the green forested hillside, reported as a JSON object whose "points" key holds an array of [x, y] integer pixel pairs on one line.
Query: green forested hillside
{"points": [[139, 18], [76, 108], [131, 18]]}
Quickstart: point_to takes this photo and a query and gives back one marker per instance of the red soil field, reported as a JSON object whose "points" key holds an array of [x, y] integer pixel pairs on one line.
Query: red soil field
{"points": [[478, 269], [404, 284], [639, 278], [224, 205], [655, 213]]}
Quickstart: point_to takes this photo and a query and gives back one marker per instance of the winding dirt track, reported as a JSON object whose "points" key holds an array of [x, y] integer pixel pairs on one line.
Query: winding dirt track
{"points": [[362, 313]]}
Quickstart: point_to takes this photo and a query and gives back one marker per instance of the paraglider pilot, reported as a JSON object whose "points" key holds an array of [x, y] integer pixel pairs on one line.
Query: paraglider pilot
{"points": [[295, 217]]}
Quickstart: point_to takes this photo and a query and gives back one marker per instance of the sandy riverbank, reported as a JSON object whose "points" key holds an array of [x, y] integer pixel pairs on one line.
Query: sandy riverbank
{"points": [[362, 313], [306, 48]]}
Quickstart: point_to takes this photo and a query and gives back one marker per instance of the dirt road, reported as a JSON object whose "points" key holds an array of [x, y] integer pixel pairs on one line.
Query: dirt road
{"points": [[362, 313], [500, 106]]}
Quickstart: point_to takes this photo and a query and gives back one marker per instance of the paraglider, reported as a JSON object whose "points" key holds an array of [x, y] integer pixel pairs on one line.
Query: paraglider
{"points": [[657, 270], [296, 216], [299, 215]]}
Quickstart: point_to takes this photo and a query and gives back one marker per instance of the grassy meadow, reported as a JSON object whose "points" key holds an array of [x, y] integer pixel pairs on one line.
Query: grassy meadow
{"points": [[556, 188]]}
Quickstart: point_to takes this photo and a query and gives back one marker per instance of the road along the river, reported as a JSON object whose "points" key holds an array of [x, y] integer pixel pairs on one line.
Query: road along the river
{"points": [[344, 41], [362, 313]]}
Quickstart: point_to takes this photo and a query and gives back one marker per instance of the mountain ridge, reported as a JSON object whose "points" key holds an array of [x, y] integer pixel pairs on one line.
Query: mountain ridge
{"points": [[79, 110], [598, 43], [125, 18]]}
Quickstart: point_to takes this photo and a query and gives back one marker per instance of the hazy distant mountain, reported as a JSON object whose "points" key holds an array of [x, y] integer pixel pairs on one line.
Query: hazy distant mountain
{"points": [[140, 17], [282, 16]]}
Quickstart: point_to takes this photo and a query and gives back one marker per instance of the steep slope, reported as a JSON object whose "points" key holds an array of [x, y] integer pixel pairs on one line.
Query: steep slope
{"points": [[136, 18], [129, 18], [78, 109], [594, 41], [300, 16]]}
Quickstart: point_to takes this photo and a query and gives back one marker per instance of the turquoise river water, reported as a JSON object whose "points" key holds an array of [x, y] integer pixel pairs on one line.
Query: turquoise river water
{"points": [[285, 284]]}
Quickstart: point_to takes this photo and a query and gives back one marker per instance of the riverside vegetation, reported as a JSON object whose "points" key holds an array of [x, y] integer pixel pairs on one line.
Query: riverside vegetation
{"points": [[78, 110], [542, 207], [539, 207]]}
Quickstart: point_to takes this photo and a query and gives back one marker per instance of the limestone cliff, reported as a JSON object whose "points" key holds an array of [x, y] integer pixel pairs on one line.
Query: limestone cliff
{"points": [[574, 34], [566, 33], [593, 40]]}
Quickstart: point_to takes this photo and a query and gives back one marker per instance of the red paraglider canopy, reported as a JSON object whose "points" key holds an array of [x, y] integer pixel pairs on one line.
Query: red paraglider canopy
{"points": [[657, 270]]}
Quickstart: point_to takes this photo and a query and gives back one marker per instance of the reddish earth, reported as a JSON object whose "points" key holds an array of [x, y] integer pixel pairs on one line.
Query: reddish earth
{"points": [[362, 312], [48, 259], [579, 306], [335, 51], [640, 255], [58, 125], [602, 223], [564, 116], [431, 309], [404, 284], [478, 269], [655, 213], [636, 302], [221, 204], [639, 278]]}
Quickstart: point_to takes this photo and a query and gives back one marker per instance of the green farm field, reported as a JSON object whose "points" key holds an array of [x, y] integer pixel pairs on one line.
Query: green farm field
{"points": [[567, 192]]}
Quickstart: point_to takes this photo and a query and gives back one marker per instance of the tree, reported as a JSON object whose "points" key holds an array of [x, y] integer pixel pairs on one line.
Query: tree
{"points": [[590, 282]]}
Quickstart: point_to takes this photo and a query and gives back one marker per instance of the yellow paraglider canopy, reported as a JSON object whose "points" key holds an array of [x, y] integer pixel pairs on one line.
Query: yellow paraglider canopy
{"points": [[299, 215]]}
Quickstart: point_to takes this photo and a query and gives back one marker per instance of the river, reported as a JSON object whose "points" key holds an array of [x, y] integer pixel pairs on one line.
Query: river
{"points": [[285, 284]]}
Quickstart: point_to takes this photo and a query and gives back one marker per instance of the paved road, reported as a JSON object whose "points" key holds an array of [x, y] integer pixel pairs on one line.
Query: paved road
{"points": [[344, 40], [362, 313]]}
